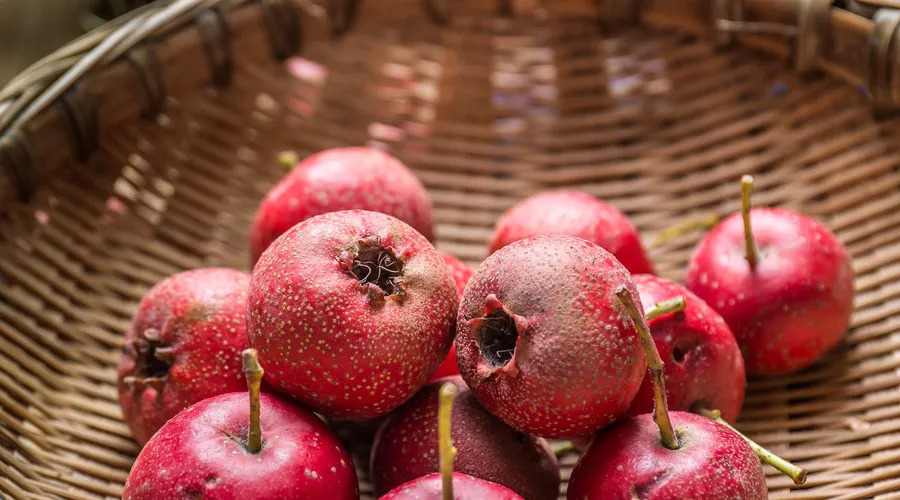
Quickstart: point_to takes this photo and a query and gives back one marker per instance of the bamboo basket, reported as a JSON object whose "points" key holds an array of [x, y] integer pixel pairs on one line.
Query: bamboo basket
{"points": [[142, 148]]}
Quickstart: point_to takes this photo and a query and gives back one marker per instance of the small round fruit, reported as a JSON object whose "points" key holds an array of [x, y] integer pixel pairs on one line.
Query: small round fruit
{"points": [[794, 305], [578, 214], [462, 273], [183, 346], [628, 461], [202, 453], [406, 446], [543, 341], [341, 179], [465, 487], [704, 367], [351, 312]]}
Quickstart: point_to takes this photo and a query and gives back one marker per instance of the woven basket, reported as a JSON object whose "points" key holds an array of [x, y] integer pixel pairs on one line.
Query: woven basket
{"points": [[143, 148]]}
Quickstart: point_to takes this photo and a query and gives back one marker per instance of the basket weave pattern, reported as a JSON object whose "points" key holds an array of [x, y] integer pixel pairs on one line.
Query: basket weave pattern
{"points": [[486, 112]]}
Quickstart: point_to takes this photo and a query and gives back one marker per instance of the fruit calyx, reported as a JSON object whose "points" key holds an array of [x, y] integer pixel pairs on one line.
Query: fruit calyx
{"points": [[152, 360], [497, 333], [377, 268]]}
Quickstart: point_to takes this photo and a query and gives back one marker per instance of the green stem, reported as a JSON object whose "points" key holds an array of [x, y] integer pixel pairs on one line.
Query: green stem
{"points": [[675, 304], [655, 364], [796, 473], [447, 452], [751, 253], [254, 373]]}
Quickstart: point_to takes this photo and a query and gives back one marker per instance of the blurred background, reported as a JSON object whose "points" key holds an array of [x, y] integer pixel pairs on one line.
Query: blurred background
{"points": [[31, 29]]}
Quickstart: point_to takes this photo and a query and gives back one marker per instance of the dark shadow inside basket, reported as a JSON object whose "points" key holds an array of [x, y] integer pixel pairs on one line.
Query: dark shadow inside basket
{"points": [[657, 123]]}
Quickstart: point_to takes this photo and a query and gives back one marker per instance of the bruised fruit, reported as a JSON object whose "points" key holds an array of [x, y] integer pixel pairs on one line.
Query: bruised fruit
{"points": [[464, 488], [341, 179], [704, 367], [543, 342], [781, 280], [406, 446], [183, 345], [238, 446], [628, 461], [578, 214], [351, 312], [462, 273]]}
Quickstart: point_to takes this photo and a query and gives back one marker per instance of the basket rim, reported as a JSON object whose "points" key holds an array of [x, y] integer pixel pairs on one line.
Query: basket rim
{"points": [[52, 96]]}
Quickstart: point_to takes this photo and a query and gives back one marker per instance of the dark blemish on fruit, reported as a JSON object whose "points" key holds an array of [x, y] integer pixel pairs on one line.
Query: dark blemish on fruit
{"points": [[681, 350], [646, 489], [498, 338]]}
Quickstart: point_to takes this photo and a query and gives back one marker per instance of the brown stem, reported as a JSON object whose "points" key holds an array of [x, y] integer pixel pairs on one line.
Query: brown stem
{"points": [[254, 373], [795, 472], [750, 251], [675, 304], [447, 452], [655, 364]]}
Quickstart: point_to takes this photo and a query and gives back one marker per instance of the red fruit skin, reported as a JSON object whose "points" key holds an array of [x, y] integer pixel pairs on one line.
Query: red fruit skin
{"points": [[322, 337], [795, 306], [711, 371], [578, 361], [627, 461], [197, 454], [337, 179], [201, 316], [406, 446], [462, 273], [465, 487], [578, 214]]}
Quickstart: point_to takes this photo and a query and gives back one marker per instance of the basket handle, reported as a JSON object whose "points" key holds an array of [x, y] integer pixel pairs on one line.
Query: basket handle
{"points": [[125, 60]]}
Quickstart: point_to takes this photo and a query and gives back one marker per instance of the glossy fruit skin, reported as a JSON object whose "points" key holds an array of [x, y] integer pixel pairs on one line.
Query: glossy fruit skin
{"points": [[342, 348], [464, 488], [578, 362], [337, 179], [795, 306], [199, 317], [710, 373], [406, 446], [193, 454], [578, 214], [627, 461], [462, 273]]}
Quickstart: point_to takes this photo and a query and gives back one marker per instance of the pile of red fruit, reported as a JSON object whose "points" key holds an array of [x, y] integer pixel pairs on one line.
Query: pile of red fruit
{"points": [[351, 312]]}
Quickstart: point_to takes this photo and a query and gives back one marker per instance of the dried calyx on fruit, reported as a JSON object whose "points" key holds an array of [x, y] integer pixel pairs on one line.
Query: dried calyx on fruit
{"points": [[378, 269], [152, 359]]}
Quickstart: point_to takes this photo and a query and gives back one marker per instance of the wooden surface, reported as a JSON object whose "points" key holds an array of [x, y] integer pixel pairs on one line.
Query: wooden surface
{"points": [[486, 113]]}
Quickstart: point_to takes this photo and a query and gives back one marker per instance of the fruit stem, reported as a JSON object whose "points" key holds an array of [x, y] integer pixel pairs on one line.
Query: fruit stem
{"points": [[675, 304], [751, 254], [655, 364], [254, 373], [287, 160], [670, 233], [446, 397], [797, 473]]}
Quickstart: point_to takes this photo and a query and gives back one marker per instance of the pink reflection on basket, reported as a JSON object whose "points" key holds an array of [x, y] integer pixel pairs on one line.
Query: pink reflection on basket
{"points": [[306, 70]]}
